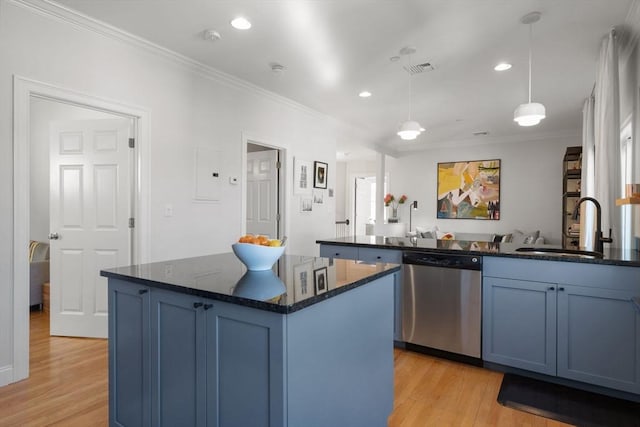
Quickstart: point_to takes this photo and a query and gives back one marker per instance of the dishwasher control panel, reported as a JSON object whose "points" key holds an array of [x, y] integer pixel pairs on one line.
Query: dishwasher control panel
{"points": [[465, 262]]}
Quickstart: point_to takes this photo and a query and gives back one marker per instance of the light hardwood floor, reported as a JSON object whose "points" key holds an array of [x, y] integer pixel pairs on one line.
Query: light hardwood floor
{"points": [[68, 387]]}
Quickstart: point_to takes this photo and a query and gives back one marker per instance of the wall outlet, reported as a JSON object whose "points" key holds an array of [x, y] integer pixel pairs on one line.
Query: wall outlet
{"points": [[168, 210]]}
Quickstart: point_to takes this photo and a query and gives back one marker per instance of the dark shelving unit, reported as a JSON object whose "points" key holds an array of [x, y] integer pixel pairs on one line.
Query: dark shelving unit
{"points": [[571, 167]]}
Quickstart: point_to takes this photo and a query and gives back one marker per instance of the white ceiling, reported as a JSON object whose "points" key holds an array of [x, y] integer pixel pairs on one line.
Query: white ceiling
{"points": [[333, 49]]}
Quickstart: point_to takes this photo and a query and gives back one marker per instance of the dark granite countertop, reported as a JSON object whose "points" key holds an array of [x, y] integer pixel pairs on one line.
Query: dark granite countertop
{"points": [[295, 282], [611, 256]]}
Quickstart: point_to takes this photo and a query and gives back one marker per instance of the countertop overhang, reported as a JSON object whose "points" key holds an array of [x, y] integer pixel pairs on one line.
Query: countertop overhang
{"points": [[294, 282], [612, 256]]}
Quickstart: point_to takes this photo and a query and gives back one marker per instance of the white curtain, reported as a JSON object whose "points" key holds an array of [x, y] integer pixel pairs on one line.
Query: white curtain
{"points": [[607, 138], [587, 178]]}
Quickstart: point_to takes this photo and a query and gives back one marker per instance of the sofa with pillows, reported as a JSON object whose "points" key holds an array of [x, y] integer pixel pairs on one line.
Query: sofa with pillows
{"points": [[38, 270], [514, 236]]}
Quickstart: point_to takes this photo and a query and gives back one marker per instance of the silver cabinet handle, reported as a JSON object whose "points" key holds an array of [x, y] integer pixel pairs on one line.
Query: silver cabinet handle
{"points": [[54, 236]]}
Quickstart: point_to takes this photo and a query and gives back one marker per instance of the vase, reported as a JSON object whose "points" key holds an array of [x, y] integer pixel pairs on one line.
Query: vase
{"points": [[394, 215]]}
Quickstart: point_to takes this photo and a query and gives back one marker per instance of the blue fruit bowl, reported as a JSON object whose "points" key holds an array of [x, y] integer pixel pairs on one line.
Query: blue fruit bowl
{"points": [[257, 257]]}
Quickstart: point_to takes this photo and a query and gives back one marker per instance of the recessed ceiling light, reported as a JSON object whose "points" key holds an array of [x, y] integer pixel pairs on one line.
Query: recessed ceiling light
{"points": [[364, 94], [241, 23], [503, 66]]}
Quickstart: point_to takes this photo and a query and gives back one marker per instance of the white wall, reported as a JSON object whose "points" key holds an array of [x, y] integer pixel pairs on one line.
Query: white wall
{"points": [[530, 186], [189, 107], [42, 113]]}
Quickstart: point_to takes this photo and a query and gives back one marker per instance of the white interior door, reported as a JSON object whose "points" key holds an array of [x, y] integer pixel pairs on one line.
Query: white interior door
{"points": [[90, 207], [262, 193], [364, 194]]}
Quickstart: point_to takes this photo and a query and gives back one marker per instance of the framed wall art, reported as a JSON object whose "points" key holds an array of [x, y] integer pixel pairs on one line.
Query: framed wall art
{"points": [[469, 190], [320, 175], [302, 176]]}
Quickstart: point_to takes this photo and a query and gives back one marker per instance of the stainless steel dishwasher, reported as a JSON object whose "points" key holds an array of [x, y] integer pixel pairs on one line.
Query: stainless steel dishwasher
{"points": [[441, 304]]}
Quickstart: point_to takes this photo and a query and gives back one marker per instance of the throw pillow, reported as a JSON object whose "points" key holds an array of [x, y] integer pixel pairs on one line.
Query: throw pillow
{"points": [[445, 235], [523, 238], [426, 235]]}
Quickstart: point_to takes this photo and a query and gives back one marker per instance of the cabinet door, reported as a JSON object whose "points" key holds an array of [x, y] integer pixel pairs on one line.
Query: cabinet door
{"points": [[337, 251], [519, 324], [129, 357], [373, 255], [599, 337], [178, 358], [245, 367]]}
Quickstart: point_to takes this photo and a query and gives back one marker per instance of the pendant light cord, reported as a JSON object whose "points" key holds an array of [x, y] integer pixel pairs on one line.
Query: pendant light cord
{"points": [[530, 43], [410, 91]]}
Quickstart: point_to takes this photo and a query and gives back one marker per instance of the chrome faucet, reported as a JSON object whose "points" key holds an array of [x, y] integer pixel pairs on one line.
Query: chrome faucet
{"points": [[599, 240]]}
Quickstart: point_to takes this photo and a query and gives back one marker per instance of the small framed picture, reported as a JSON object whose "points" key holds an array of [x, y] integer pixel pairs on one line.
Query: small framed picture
{"points": [[301, 176], [320, 175], [306, 204], [320, 280], [318, 196]]}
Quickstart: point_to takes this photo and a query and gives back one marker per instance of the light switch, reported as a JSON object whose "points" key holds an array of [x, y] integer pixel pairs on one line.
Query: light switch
{"points": [[168, 210], [233, 180]]}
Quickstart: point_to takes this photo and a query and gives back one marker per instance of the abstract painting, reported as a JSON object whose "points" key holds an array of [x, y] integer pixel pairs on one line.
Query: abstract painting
{"points": [[469, 190]]}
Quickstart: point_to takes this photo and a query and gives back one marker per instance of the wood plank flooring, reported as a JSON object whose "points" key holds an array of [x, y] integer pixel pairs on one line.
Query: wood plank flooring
{"points": [[68, 387]]}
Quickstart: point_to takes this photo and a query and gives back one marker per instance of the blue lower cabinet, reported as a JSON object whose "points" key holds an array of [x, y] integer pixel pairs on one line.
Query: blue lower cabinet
{"points": [[519, 324], [129, 367], [245, 370], [599, 337], [178, 360]]}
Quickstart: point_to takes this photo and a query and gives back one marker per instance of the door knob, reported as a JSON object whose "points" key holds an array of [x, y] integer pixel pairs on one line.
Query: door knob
{"points": [[53, 236]]}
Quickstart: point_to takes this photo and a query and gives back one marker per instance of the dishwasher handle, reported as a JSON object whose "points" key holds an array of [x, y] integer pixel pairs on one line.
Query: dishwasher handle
{"points": [[428, 259]]}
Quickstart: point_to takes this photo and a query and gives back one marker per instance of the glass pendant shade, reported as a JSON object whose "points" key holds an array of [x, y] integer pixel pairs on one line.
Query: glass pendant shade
{"points": [[409, 130], [529, 114]]}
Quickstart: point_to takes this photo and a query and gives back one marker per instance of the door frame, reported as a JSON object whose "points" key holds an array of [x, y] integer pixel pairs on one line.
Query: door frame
{"points": [[283, 228], [23, 89]]}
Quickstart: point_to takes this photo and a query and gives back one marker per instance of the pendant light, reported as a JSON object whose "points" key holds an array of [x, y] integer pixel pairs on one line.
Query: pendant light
{"points": [[409, 129], [531, 113]]}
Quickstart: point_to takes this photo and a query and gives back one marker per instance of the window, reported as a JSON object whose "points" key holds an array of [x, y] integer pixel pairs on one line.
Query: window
{"points": [[626, 177]]}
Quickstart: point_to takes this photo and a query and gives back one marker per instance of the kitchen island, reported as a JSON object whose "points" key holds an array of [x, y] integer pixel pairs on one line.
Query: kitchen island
{"points": [[201, 341]]}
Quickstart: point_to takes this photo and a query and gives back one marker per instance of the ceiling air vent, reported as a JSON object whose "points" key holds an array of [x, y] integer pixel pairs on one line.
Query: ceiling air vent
{"points": [[419, 68]]}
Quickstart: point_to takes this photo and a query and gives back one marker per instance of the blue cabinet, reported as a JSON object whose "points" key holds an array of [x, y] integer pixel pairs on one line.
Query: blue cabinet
{"points": [[572, 320], [519, 327], [129, 356], [170, 355], [178, 359], [599, 337], [372, 256]]}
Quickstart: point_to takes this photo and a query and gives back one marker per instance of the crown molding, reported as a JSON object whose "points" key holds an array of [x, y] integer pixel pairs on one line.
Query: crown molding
{"points": [[483, 141], [53, 10]]}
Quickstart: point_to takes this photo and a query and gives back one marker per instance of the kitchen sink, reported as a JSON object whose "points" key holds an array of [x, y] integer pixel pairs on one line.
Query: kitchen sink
{"points": [[561, 252]]}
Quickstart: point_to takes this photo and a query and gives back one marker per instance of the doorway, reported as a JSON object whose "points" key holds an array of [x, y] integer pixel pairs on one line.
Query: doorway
{"points": [[263, 189], [24, 91], [364, 203], [81, 182]]}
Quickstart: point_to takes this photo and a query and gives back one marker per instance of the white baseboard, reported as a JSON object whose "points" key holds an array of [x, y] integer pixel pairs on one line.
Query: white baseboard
{"points": [[6, 375]]}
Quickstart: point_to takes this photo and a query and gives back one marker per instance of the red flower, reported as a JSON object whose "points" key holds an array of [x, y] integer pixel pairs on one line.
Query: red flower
{"points": [[390, 200]]}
